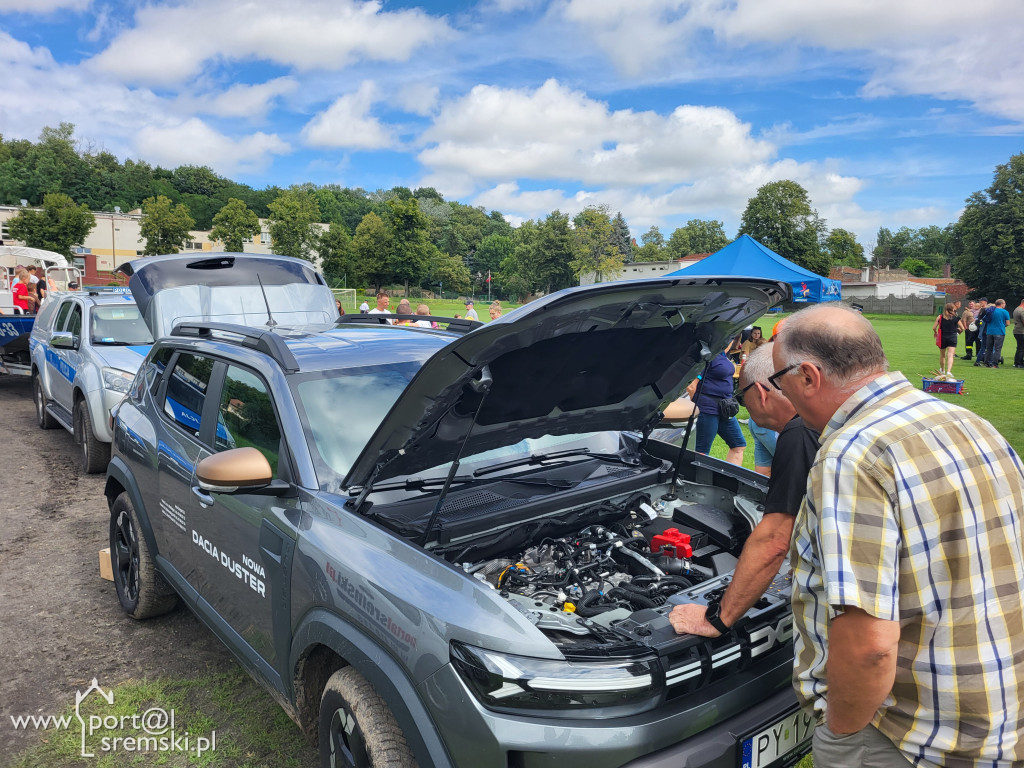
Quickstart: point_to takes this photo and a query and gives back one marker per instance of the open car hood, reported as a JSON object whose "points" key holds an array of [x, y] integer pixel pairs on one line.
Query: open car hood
{"points": [[225, 288], [588, 359]]}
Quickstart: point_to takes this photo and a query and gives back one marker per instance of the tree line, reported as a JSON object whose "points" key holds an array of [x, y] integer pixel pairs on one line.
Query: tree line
{"points": [[418, 240]]}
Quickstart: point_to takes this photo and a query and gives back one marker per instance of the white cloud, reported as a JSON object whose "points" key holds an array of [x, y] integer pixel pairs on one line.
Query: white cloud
{"points": [[42, 6], [556, 133], [172, 44], [348, 124], [242, 100], [193, 142], [943, 48]]}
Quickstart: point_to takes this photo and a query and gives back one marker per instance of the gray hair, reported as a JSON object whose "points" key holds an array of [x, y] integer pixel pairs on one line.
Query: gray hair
{"points": [[845, 348], [759, 366]]}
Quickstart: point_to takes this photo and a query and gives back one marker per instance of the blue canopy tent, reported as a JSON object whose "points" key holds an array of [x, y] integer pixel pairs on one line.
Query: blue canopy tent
{"points": [[746, 256]]}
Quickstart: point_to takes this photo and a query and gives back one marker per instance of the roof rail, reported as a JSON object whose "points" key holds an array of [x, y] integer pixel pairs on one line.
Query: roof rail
{"points": [[459, 325], [262, 340]]}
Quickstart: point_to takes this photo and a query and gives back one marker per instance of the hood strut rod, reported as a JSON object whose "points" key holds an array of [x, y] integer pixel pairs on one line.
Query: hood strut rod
{"points": [[483, 386], [671, 495]]}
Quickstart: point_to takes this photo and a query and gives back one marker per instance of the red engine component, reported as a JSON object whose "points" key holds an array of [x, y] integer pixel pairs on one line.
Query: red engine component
{"points": [[673, 543]]}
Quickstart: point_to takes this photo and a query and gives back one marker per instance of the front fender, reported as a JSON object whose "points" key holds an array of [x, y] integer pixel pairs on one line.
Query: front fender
{"points": [[320, 627], [118, 476]]}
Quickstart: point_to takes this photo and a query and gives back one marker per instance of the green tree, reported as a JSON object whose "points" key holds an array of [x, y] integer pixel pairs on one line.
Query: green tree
{"points": [[653, 246], [552, 253], [678, 244], [780, 217], [370, 247], [410, 256], [293, 224], [58, 227], [595, 247], [991, 232], [491, 254], [233, 224], [916, 267], [165, 226], [704, 236], [843, 249], [517, 275], [622, 239], [336, 255]]}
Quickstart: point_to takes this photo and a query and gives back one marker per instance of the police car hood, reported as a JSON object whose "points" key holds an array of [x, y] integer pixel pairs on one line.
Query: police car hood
{"points": [[587, 359], [246, 289]]}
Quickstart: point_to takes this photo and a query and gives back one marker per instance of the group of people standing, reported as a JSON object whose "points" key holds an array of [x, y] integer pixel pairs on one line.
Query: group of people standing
{"points": [[984, 327], [28, 289], [405, 308], [905, 550]]}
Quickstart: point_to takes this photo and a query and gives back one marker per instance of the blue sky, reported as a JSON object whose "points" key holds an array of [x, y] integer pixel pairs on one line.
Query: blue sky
{"points": [[888, 113]]}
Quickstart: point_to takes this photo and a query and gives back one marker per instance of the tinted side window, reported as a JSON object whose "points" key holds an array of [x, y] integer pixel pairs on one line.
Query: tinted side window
{"points": [[246, 416], [62, 315], [74, 323], [186, 391], [150, 373]]}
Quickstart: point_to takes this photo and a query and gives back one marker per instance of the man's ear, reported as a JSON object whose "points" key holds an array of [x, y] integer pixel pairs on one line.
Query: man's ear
{"points": [[810, 378]]}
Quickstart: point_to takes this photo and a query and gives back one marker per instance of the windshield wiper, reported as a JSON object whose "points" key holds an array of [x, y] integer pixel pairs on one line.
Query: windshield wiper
{"points": [[545, 457], [418, 484]]}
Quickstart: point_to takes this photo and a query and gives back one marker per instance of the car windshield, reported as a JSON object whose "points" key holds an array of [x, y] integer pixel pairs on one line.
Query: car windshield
{"points": [[119, 325], [343, 408]]}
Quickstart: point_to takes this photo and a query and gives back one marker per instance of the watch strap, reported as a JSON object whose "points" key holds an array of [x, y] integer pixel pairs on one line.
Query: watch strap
{"points": [[712, 616]]}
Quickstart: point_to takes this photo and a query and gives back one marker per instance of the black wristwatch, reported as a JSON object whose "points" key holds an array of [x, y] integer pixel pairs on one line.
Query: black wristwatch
{"points": [[713, 616]]}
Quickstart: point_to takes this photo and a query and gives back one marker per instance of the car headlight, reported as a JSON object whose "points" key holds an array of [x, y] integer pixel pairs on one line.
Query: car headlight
{"points": [[517, 683], [116, 380]]}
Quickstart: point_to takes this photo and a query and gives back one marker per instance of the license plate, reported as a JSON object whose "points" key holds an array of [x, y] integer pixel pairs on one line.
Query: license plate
{"points": [[779, 744]]}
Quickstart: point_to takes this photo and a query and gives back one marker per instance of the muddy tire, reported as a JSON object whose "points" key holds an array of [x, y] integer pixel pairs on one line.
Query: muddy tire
{"points": [[43, 417], [357, 730], [95, 453], [141, 591]]}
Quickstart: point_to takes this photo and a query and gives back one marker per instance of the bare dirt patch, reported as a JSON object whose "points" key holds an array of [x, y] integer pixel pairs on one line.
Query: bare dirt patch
{"points": [[60, 624]]}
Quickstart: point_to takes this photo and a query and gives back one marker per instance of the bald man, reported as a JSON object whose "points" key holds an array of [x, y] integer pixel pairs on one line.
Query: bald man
{"points": [[767, 545], [907, 562]]}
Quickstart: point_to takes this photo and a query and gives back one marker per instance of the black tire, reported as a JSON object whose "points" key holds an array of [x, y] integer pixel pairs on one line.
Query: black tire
{"points": [[43, 417], [357, 730], [141, 591], [95, 453]]}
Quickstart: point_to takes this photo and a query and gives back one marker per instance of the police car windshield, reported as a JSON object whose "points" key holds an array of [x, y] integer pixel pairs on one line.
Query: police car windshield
{"points": [[120, 325]]}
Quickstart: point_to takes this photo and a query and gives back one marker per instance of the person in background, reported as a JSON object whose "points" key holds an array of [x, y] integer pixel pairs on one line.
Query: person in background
{"points": [[1018, 335], [470, 312], [969, 319], [383, 301], [20, 290], [717, 386], [755, 340], [768, 543], [494, 310], [996, 322], [979, 348], [341, 309], [424, 310], [404, 308], [907, 561], [364, 307], [946, 330]]}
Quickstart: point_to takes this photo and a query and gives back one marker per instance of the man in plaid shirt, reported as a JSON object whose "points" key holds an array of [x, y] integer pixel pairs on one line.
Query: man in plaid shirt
{"points": [[907, 562]]}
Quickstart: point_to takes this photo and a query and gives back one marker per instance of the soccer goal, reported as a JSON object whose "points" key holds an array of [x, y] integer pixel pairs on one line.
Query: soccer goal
{"points": [[347, 297]]}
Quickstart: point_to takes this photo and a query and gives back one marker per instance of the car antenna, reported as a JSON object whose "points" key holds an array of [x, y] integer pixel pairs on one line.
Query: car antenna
{"points": [[271, 323], [705, 354], [483, 386]]}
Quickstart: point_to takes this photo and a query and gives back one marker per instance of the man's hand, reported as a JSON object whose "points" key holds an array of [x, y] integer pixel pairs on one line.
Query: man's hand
{"points": [[688, 619]]}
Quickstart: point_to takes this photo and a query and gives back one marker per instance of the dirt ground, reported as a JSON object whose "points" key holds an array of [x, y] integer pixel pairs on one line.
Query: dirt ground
{"points": [[60, 624]]}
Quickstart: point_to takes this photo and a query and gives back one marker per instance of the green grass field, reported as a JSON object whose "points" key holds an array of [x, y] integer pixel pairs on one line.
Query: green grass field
{"points": [[438, 307], [994, 394]]}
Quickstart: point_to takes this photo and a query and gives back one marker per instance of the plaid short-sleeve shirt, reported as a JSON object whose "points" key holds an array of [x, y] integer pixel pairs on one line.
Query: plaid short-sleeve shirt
{"points": [[913, 514]]}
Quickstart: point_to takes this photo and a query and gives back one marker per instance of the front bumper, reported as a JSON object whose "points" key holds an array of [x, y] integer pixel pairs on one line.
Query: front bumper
{"points": [[685, 734]]}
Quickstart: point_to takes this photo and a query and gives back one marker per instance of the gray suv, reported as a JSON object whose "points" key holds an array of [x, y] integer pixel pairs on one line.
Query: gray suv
{"points": [[459, 546]]}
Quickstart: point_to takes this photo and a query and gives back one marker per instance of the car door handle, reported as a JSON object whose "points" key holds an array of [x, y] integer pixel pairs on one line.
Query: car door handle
{"points": [[204, 498]]}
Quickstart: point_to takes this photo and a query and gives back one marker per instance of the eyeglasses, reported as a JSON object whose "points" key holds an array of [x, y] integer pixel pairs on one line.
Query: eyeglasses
{"points": [[773, 379], [744, 390]]}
